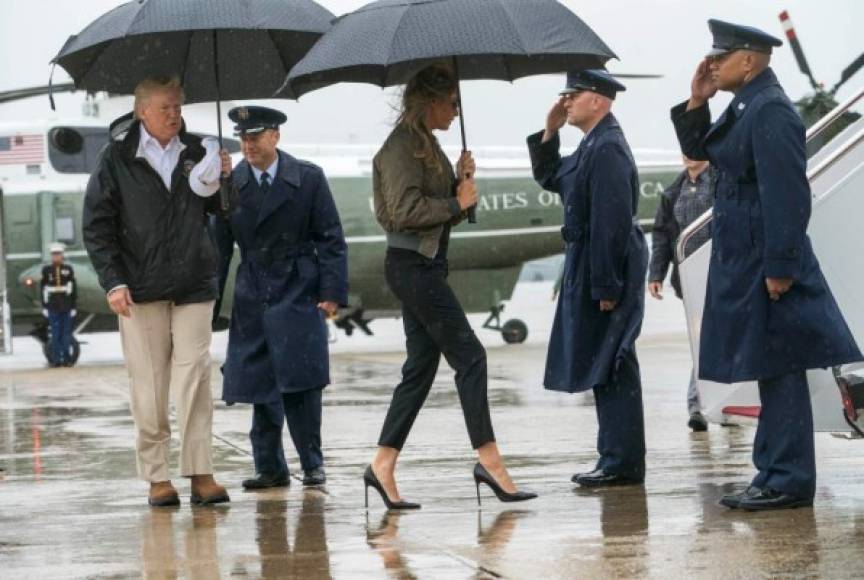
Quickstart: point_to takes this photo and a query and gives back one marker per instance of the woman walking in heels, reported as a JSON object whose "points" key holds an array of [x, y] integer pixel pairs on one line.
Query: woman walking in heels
{"points": [[418, 198]]}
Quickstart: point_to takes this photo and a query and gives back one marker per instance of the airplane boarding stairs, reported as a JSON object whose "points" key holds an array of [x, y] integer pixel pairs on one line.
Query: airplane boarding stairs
{"points": [[836, 175]]}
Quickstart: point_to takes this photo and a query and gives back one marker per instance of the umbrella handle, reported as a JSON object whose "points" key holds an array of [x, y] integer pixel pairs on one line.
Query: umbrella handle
{"points": [[224, 182], [472, 211]]}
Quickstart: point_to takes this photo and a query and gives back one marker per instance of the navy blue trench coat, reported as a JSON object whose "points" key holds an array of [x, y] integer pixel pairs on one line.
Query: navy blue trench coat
{"points": [[606, 257], [761, 213], [293, 256]]}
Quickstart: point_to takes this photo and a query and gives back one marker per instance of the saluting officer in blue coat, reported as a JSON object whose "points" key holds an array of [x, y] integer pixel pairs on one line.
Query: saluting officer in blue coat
{"points": [[769, 315], [602, 297], [293, 273]]}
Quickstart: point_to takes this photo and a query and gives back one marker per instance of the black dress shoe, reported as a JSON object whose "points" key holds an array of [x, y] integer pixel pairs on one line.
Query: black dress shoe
{"points": [[697, 422], [314, 476], [265, 481], [601, 478], [772, 499], [733, 500]]}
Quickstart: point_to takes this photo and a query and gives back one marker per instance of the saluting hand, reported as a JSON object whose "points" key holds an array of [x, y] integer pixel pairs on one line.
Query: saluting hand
{"points": [[226, 162], [777, 287], [702, 87], [465, 167], [556, 118]]}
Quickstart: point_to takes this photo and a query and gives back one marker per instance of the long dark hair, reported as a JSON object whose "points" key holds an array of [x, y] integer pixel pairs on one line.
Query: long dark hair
{"points": [[433, 83]]}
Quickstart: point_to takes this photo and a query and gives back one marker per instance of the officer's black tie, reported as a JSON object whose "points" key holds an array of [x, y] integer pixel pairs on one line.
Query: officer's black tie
{"points": [[265, 182]]}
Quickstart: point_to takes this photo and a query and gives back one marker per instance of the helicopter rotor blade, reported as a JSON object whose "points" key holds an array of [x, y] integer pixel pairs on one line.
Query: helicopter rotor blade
{"points": [[797, 50], [26, 93], [848, 72]]}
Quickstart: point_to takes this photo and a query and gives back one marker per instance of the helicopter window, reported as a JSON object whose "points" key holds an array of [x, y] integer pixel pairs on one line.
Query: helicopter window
{"points": [[76, 149], [67, 140], [64, 230]]}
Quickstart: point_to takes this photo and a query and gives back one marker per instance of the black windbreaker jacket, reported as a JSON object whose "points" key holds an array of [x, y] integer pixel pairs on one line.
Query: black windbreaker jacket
{"points": [[140, 234]]}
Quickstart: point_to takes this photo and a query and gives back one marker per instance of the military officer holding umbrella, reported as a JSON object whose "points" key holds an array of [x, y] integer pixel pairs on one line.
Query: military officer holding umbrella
{"points": [[293, 273], [769, 314]]}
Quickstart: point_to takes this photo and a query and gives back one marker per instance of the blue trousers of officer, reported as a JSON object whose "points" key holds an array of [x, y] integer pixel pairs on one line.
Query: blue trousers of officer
{"points": [[783, 451], [61, 335], [303, 413], [621, 424]]}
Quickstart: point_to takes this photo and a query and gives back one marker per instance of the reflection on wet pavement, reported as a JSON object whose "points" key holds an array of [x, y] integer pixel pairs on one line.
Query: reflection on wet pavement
{"points": [[71, 506]]}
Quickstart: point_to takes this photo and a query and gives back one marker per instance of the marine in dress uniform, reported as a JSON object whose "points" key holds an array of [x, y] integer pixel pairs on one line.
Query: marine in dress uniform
{"points": [[59, 295], [292, 274], [602, 297], [769, 314]]}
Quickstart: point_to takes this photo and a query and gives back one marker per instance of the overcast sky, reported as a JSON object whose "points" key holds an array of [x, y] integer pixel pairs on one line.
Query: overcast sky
{"points": [[665, 37]]}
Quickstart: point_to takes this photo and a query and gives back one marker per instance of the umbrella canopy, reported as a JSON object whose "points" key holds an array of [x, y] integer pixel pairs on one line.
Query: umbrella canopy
{"points": [[220, 49], [386, 42]]}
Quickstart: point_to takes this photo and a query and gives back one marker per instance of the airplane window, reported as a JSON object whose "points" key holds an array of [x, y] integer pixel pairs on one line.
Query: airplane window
{"points": [[67, 140]]}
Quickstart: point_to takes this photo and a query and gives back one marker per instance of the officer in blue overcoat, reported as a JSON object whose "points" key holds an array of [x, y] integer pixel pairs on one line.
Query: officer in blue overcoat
{"points": [[602, 297], [769, 315], [292, 274]]}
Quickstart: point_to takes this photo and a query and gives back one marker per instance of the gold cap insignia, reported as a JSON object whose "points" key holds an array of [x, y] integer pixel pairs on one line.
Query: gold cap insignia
{"points": [[243, 113]]}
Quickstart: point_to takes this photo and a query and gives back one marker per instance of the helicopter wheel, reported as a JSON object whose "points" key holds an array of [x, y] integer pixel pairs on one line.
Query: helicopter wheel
{"points": [[514, 331]]}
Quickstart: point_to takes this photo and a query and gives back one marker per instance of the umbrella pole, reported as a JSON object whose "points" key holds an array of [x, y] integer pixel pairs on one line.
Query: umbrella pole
{"points": [[472, 212], [224, 182]]}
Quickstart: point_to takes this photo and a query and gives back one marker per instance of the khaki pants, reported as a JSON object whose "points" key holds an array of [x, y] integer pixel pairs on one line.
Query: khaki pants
{"points": [[167, 349]]}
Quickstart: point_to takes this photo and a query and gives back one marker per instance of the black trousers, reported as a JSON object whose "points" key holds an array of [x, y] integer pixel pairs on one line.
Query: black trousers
{"points": [[621, 424], [435, 324], [303, 413]]}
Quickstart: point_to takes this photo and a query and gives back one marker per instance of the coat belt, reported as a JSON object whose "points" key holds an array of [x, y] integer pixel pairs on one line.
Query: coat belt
{"points": [[267, 256]]}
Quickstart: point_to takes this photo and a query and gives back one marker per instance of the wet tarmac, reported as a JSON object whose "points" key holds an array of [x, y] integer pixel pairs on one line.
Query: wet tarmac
{"points": [[72, 507]]}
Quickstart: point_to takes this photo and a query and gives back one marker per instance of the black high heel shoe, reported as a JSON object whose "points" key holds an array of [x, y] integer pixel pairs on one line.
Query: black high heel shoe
{"points": [[483, 476], [370, 480]]}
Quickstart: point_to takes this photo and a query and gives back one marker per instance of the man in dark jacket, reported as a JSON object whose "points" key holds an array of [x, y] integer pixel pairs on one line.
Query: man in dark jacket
{"points": [[292, 274], [59, 294], [602, 298], [769, 314], [145, 229], [686, 198]]}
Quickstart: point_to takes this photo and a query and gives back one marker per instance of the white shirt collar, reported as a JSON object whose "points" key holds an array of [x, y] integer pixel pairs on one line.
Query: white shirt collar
{"points": [[147, 141], [271, 171]]}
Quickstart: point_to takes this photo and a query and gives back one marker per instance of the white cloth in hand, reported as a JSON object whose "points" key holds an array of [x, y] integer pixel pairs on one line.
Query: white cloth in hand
{"points": [[204, 177]]}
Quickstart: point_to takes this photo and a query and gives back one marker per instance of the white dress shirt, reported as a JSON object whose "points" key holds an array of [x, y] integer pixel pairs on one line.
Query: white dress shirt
{"points": [[162, 159], [271, 171]]}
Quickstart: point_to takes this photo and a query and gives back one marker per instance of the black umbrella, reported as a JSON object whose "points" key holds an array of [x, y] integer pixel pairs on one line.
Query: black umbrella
{"points": [[220, 49], [388, 41]]}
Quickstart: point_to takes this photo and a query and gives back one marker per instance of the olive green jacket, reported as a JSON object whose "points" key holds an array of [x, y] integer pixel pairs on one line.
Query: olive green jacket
{"points": [[413, 202]]}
